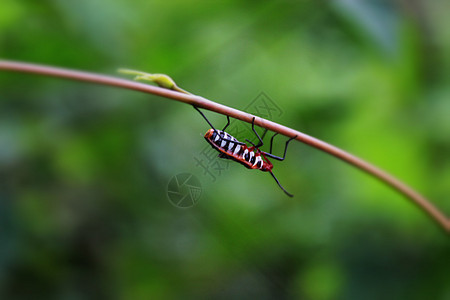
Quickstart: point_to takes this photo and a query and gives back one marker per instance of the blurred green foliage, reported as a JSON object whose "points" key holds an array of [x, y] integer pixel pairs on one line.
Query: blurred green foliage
{"points": [[84, 169]]}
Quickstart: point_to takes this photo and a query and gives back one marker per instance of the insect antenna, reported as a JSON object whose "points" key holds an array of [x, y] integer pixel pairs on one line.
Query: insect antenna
{"points": [[289, 194]]}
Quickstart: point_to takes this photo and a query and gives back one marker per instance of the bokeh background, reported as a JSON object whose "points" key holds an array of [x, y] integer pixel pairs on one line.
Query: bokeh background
{"points": [[84, 169]]}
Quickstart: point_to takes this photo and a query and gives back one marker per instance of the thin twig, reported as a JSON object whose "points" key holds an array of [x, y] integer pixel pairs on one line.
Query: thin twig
{"points": [[201, 102]]}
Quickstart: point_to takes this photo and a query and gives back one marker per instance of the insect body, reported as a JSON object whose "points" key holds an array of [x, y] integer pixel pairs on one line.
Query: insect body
{"points": [[230, 149], [251, 157]]}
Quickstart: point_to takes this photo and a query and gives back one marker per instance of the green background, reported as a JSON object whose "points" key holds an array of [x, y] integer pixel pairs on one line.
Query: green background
{"points": [[84, 168]]}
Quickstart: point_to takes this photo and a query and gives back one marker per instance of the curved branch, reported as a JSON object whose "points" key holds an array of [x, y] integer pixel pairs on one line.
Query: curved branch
{"points": [[201, 102]]}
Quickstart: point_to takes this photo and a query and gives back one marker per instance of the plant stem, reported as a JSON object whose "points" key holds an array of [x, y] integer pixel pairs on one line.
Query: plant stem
{"points": [[201, 102]]}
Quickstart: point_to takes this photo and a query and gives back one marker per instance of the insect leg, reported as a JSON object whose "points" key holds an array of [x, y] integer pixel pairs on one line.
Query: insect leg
{"points": [[285, 148], [204, 117], [271, 142], [264, 134], [259, 138], [289, 194], [228, 123]]}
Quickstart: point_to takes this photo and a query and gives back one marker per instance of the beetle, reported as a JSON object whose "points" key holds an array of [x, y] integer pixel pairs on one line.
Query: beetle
{"points": [[250, 157]]}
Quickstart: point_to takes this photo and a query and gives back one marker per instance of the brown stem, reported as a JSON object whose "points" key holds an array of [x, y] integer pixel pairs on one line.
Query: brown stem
{"points": [[411, 194]]}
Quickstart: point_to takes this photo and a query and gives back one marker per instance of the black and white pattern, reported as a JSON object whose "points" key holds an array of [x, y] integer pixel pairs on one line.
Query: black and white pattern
{"points": [[226, 142], [234, 148], [253, 158]]}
